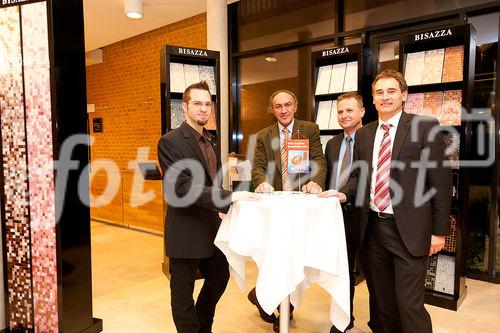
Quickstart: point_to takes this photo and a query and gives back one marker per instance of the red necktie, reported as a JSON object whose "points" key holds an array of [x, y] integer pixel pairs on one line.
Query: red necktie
{"points": [[382, 197]]}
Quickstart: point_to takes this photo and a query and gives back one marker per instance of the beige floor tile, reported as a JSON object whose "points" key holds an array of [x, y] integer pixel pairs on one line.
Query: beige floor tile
{"points": [[131, 294]]}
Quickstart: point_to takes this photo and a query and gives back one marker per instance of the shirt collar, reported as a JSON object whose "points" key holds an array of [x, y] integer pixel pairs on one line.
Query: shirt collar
{"points": [[290, 127], [197, 135], [394, 121]]}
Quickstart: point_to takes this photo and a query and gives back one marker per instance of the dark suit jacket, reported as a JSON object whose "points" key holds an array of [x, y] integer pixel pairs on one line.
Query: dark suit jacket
{"points": [[189, 229], [266, 166], [416, 222]]}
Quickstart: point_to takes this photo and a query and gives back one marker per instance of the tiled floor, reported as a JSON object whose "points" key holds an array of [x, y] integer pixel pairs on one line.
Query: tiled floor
{"points": [[131, 294]]}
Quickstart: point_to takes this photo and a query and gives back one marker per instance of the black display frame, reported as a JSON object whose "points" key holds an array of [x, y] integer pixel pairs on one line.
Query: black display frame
{"points": [[337, 55], [443, 37]]}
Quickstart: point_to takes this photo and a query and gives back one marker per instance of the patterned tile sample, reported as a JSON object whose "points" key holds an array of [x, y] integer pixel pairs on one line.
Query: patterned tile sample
{"points": [[453, 64], [207, 73], [433, 68], [351, 77], [414, 68], [177, 82], [337, 80], [176, 113], [15, 178], [451, 239], [323, 82], [452, 108], [323, 114], [445, 274], [212, 121], [334, 120], [430, 278], [41, 166], [414, 103], [191, 74], [433, 103], [452, 142]]}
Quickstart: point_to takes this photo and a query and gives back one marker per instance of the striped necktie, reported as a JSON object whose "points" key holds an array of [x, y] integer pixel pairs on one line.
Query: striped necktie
{"points": [[285, 183], [346, 163], [382, 197]]}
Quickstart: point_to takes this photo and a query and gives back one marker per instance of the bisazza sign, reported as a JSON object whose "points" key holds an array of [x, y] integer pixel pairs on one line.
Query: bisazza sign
{"points": [[6, 3]]}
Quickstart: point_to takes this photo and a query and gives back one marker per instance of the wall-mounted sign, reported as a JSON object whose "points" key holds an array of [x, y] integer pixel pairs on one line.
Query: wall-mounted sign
{"points": [[7, 3], [97, 125]]}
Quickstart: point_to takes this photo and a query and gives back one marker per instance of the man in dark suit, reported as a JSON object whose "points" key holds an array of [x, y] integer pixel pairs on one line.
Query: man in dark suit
{"points": [[338, 152], [269, 168], [190, 164], [404, 203]]}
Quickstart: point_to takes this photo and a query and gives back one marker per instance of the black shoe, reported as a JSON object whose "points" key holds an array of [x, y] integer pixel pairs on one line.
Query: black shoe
{"points": [[335, 330], [252, 297]]}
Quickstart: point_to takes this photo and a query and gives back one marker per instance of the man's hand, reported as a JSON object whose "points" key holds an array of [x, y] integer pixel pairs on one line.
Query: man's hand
{"points": [[437, 244], [333, 193], [222, 215], [311, 187], [244, 196], [264, 188]]}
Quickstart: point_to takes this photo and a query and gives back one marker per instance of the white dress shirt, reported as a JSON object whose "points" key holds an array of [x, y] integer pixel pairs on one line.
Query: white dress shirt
{"points": [[394, 121]]}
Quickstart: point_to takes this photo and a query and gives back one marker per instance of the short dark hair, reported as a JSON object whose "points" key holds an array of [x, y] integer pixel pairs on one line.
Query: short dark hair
{"points": [[391, 74], [279, 92], [202, 85], [351, 94]]}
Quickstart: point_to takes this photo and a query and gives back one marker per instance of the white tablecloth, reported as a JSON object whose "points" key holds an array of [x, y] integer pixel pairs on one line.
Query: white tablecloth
{"points": [[295, 240]]}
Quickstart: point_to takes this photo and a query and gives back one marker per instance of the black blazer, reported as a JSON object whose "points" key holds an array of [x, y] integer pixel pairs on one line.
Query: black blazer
{"points": [[416, 222], [190, 224]]}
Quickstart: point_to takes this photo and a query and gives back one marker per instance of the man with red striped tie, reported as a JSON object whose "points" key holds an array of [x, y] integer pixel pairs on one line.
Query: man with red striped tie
{"points": [[404, 213]]}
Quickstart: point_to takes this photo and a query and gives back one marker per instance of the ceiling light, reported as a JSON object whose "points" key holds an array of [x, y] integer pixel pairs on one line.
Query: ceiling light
{"points": [[271, 59], [133, 8]]}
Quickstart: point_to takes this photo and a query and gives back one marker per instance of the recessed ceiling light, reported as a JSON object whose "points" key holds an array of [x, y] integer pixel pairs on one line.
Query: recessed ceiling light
{"points": [[271, 59], [133, 8]]}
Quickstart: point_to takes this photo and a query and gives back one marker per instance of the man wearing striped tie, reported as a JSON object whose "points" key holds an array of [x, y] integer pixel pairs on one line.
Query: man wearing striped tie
{"points": [[270, 165], [404, 214]]}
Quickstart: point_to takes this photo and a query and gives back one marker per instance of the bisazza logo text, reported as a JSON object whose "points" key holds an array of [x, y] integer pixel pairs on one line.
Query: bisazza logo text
{"points": [[11, 2], [193, 52], [433, 34], [340, 50]]}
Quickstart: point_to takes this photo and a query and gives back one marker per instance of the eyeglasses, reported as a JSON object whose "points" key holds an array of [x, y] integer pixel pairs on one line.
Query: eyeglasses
{"points": [[199, 105], [288, 105]]}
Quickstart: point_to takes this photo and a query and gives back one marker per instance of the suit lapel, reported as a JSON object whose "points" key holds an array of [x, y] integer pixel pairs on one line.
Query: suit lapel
{"points": [[274, 136], [337, 141], [371, 131], [402, 131]]}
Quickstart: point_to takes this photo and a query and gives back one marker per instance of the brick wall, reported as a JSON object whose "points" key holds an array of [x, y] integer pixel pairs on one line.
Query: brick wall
{"points": [[125, 89]]}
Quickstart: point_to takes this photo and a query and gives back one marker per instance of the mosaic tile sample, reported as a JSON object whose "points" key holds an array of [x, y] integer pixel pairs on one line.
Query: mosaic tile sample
{"points": [[451, 240], [323, 114], [176, 113], [212, 121], [453, 64], [16, 206], [433, 103], [351, 77], [41, 166], [191, 74], [414, 103], [323, 82], [207, 73], [445, 274], [337, 80], [334, 121], [452, 142], [414, 68], [452, 108], [433, 68], [177, 82], [430, 278]]}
